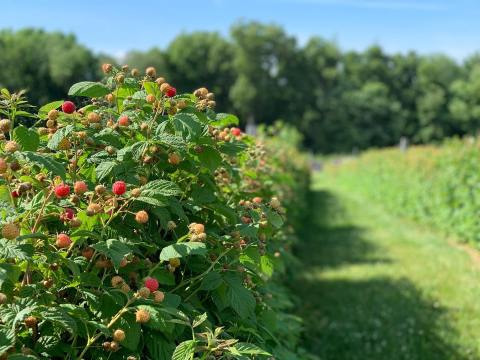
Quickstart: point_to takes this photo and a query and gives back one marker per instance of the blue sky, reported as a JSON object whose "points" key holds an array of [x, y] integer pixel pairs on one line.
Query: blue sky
{"points": [[427, 26]]}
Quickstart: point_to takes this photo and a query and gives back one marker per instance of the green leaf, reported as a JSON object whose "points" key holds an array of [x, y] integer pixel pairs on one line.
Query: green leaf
{"points": [[59, 136], [266, 265], [158, 347], [233, 148], [199, 320], [9, 272], [239, 298], [184, 351], [158, 320], [250, 349], [187, 125], [12, 250], [274, 218], [223, 120], [88, 88], [114, 249], [60, 317], [182, 249], [160, 187], [43, 111], [28, 139], [7, 339], [132, 331], [151, 88], [46, 162], [169, 139], [159, 202], [210, 158], [211, 281], [104, 169]]}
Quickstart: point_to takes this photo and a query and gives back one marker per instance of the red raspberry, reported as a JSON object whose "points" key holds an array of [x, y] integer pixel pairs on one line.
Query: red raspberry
{"points": [[151, 284], [69, 214], [63, 241], [68, 107], [171, 92], [62, 190], [80, 187], [235, 131], [119, 187], [15, 194], [123, 120]]}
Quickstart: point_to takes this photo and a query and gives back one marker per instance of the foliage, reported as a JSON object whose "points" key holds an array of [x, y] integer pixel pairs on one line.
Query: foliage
{"points": [[340, 101], [143, 226], [435, 185]]}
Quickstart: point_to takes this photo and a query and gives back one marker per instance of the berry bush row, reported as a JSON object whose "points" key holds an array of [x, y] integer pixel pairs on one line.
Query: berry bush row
{"points": [[137, 223], [436, 185]]}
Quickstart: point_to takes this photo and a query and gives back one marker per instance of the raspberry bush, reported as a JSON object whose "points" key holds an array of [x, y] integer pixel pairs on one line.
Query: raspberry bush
{"points": [[139, 224]]}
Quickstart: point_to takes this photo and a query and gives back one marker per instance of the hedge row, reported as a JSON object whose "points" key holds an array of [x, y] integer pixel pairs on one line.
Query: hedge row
{"points": [[435, 185], [139, 224]]}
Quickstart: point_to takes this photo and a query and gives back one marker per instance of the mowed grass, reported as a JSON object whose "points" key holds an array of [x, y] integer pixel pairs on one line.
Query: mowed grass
{"points": [[373, 286]]}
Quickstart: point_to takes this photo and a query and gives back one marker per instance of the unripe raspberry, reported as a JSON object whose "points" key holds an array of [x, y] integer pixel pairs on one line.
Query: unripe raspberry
{"points": [[51, 124], [211, 104], [174, 262], [174, 158], [150, 98], [135, 72], [100, 189], [80, 187], [142, 316], [164, 87], [171, 225], [68, 107], [106, 345], [141, 217], [123, 120], [3, 166], [150, 71], [114, 346], [136, 192], [125, 288], [88, 253], [93, 117], [160, 81], [5, 125], [117, 281], [119, 187], [119, 335], [93, 209], [53, 114], [11, 146], [132, 358], [63, 241], [151, 284], [120, 78], [42, 131], [64, 144], [10, 231], [201, 237], [107, 68], [257, 200], [3, 298], [125, 68], [143, 127], [31, 322], [144, 292], [158, 296], [171, 92], [196, 228], [275, 203], [110, 98]]}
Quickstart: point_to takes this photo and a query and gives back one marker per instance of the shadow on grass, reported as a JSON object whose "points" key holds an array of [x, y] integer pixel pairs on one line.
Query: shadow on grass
{"points": [[355, 318]]}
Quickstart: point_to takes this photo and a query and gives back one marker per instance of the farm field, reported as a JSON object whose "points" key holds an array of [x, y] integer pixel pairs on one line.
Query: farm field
{"points": [[376, 286]]}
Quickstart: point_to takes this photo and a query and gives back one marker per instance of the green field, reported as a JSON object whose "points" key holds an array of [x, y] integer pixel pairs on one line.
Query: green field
{"points": [[374, 286]]}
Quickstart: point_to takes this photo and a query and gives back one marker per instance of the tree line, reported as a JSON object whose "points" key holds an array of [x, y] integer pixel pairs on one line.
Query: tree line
{"points": [[339, 100]]}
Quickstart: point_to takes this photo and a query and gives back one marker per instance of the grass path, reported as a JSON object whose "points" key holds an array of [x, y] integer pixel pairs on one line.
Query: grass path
{"points": [[373, 286]]}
